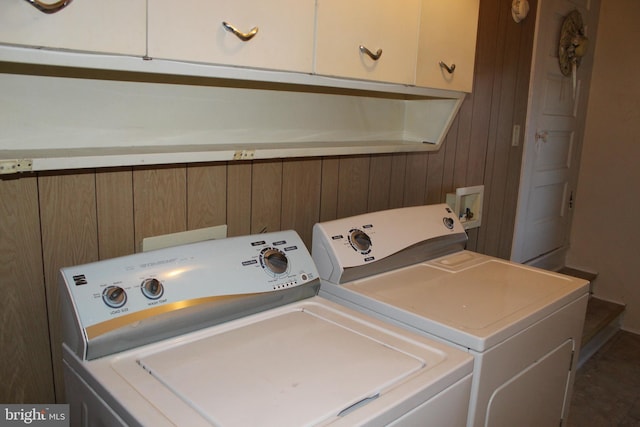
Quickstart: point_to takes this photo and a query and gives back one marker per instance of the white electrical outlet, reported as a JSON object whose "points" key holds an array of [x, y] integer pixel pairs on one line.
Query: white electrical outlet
{"points": [[184, 237], [515, 136]]}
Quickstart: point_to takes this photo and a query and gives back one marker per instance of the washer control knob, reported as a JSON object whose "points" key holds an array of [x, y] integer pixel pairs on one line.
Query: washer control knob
{"points": [[152, 288], [448, 222], [114, 296], [275, 261], [360, 240]]}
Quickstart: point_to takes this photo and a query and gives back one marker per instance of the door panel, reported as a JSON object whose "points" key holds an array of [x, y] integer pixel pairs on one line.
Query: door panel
{"points": [[555, 122], [536, 396]]}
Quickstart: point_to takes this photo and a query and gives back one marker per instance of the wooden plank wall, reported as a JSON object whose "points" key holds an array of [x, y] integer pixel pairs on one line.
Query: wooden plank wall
{"points": [[51, 220]]}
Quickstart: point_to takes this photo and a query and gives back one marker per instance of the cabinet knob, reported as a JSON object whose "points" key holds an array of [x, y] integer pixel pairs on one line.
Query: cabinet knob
{"points": [[374, 56], [49, 7], [450, 68], [242, 36]]}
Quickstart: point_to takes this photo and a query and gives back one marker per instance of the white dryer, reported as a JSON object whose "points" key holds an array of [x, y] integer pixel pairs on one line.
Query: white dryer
{"points": [[232, 333], [523, 325]]}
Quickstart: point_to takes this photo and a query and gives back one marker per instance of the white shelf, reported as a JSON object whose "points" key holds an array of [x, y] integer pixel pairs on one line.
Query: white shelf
{"points": [[66, 110], [79, 158]]}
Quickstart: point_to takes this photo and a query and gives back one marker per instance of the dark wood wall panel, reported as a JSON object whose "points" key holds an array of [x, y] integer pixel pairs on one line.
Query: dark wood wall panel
{"points": [[66, 218], [301, 196], [266, 196], [353, 185], [239, 199], [69, 236], [206, 195], [329, 189], [25, 351], [160, 201], [114, 208]]}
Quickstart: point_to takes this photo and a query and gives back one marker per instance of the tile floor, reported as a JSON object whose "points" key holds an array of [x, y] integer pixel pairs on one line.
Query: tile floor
{"points": [[607, 387]]}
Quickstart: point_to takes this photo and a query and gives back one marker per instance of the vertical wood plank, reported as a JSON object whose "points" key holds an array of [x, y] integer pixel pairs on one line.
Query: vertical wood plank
{"points": [[69, 237], [398, 177], [239, 198], [329, 189], [435, 171], [114, 205], [160, 200], [301, 196], [353, 185], [415, 186], [380, 182], [206, 195], [26, 372], [266, 196]]}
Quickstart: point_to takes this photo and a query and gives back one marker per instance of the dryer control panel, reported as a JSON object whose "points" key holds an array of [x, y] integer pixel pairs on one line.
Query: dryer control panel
{"points": [[387, 239], [242, 272]]}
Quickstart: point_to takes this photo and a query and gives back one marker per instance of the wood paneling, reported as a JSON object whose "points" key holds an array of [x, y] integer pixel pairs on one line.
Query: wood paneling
{"points": [[25, 368], [114, 198], [266, 196], [380, 182], [415, 183], [329, 189], [353, 185], [301, 196], [159, 201], [69, 237], [239, 199], [206, 195], [90, 215]]}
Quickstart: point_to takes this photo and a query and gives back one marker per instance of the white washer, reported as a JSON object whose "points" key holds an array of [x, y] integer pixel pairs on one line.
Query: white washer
{"points": [[523, 325], [232, 333]]}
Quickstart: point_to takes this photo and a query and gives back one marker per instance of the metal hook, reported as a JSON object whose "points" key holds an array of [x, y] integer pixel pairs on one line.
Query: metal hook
{"points": [[450, 69], [242, 36], [374, 56]]}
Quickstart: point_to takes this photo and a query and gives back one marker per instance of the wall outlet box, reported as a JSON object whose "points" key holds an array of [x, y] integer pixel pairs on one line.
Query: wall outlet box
{"points": [[467, 203], [184, 237]]}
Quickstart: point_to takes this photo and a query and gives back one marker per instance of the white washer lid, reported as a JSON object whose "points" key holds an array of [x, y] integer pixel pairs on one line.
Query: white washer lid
{"points": [[475, 305], [296, 368]]}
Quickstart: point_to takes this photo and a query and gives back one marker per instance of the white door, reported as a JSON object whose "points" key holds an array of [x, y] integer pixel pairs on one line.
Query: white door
{"points": [[554, 129]]}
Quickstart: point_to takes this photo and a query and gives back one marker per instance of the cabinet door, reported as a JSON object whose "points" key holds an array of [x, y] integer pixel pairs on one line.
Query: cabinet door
{"points": [[192, 30], [447, 34], [113, 26], [345, 25]]}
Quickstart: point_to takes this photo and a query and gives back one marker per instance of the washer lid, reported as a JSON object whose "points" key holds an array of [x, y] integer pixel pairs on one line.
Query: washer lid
{"points": [[468, 299], [296, 368]]}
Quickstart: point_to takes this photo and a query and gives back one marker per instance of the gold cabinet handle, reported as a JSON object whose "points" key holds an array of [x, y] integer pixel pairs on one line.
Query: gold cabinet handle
{"points": [[242, 36], [49, 7], [450, 68], [374, 56]]}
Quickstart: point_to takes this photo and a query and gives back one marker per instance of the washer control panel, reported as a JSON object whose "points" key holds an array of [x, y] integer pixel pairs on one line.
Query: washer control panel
{"points": [[180, 275]]}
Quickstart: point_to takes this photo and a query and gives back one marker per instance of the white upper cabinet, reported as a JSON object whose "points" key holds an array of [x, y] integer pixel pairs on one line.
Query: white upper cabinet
{"points": [[113, 26], [345, 28], [274, 34], [448, 30]]}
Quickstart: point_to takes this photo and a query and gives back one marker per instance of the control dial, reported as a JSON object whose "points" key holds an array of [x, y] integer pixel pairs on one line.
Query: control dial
{"points": [[152, 288], [360, 241], [275, 261], [114, 296], [448, 222]]}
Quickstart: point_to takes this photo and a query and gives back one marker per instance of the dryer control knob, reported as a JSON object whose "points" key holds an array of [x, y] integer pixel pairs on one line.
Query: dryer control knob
{"points": [[448, 222], [152, 288], [360, 240], [114, 296]]}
